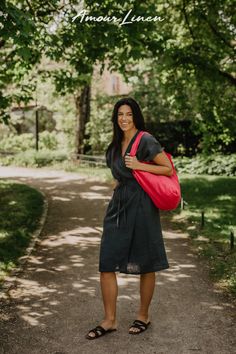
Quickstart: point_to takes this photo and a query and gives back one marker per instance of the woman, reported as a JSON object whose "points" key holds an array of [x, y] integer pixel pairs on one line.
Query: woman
{"points": [[132, 241]]}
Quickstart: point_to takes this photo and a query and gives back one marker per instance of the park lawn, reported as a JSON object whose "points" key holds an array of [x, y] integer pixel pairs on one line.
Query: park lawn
{"points": [[21, 209], [216, 196], [103, 174]]}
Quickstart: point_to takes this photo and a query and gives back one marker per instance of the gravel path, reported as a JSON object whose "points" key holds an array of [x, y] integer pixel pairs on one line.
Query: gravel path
{"points": [[57, 296]]}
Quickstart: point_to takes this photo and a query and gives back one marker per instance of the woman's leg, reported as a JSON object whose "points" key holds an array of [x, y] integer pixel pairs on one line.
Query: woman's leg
{"points": [[109, 288], [147, 286]]}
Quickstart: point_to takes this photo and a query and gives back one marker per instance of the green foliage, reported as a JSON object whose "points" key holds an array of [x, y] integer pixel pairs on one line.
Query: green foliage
{"points": [[217, 197], [32, 158], [21, 208], [189, 72], [193, 78], [17, 143], [178, 137], [24, 142], [99, 128], [175, 95], [48, 140], [19, 51], [214, 164], [63, 108]]}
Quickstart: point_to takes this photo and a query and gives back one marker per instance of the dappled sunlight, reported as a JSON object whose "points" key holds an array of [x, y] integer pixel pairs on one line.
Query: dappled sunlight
{"points": [[32, 317], [36, 260], [30, 287], [72, 237], [125, 297], [76, 218], [83, 230], [224, 197], [59, 290], [98, 188], [174, 235], [84, 288], [61, 199], [92, 195], [212, 306]]}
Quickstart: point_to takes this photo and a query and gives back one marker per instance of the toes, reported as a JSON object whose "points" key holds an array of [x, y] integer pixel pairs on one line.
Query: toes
{"points": [[91, 334], [134, 329]]}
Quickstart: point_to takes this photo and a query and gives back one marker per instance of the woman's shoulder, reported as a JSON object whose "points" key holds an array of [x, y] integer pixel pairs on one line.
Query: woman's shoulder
{"points": [[148, 146], [148, 138]]}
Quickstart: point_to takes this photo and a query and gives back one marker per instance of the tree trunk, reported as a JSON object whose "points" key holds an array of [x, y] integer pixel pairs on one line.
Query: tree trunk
{"points": [[82, 102]]}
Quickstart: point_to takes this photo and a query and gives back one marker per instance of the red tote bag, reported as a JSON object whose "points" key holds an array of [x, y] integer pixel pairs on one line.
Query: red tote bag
{"points": [[164, 191]]}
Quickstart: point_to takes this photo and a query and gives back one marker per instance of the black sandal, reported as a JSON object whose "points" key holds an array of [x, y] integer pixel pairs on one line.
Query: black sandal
{"points": [[99, 331], [142, 326]]}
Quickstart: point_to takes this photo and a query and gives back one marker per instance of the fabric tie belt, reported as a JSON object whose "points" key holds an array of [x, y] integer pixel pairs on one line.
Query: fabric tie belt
{"points": [[121, 189]]}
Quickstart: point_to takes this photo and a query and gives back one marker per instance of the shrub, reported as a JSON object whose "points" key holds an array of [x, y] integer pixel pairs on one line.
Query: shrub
{"points": [[215, 164], [34, 158], [15, 143], [26, 141], [48, 140]]}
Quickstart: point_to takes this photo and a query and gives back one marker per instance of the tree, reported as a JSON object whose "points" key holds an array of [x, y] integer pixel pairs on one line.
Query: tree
{"points": [[194, 75], [22, 30], [191, 56], [48, 29], [82, 45]]}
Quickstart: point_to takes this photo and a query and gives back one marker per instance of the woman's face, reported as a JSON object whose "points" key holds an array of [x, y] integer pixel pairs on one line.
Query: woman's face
{"points": [[125, 118]]}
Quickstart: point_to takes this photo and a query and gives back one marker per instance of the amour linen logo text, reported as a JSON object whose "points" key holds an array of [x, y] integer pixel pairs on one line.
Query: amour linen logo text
{"points": [[127, 19]]}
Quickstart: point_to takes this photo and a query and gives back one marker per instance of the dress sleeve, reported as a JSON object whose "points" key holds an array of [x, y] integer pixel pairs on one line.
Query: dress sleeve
{"points": [[148, 148]]}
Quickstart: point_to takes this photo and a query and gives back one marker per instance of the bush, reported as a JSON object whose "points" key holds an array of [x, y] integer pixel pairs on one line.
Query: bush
{"points": [[20, 212], [48, 140], [34, 158], [215, 164], [17, 143], [26, 141]]}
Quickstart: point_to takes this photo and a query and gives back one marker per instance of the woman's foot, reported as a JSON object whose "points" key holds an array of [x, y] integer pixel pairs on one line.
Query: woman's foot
{"points": [[106, 324], [144, 319]]}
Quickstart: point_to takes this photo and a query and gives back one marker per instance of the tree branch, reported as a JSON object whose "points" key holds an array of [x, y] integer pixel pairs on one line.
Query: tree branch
{"points": [[217, 33], [228, 76], [187, 21], [201, 63]]}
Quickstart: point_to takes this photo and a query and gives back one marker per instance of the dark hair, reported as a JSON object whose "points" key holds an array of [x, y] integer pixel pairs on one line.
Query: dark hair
{"points": [[117, 132]]}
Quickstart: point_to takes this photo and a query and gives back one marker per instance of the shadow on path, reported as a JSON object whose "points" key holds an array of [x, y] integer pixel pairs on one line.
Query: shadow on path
{"points": [[57, 296]]}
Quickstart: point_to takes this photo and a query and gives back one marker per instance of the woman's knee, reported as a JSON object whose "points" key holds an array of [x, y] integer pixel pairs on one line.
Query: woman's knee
{"points": [[107, 274]]}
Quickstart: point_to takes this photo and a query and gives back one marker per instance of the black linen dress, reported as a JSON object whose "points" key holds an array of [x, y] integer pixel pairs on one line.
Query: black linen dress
{"points": [[132, 240]]}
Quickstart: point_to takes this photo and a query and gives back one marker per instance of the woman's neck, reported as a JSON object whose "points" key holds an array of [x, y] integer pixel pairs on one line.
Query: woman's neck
{"points": [[127, 136]]}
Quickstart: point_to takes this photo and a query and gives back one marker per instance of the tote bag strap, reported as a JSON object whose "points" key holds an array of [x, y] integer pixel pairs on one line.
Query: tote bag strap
{"points": [[135, 147], [136, 142]]}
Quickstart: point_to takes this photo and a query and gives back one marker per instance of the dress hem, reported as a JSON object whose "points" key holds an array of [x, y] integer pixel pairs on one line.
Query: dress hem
{"points": [[162, 267]]}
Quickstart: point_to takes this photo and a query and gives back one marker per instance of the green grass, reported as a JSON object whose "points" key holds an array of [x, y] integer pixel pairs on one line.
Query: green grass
{"points": [[101, 173], [216, 196], [21, 208]]}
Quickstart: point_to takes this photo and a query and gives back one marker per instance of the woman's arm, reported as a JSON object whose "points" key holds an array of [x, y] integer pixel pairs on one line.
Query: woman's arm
{"points": [[164, 166]]}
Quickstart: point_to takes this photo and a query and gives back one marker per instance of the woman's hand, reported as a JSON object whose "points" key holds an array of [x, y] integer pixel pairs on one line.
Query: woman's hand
{"points": [[132, 162], [161, 166]]}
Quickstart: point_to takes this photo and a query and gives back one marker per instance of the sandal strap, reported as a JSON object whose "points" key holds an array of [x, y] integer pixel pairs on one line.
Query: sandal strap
{"points": [[100, 328], [96, 331], [139, 326], [139, 322]]}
